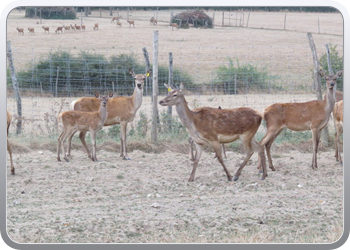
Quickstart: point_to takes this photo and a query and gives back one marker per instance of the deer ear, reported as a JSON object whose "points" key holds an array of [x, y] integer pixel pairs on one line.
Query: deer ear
{"points": [[131, 72], [182, 87], [110, 95], [97, 95], [339, 73]]}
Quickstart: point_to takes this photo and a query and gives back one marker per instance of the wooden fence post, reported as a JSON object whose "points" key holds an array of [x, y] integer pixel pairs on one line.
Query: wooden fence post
{"points": [[317, 83], [148, 66], [15, 88], [171, 83], [155, 88]]}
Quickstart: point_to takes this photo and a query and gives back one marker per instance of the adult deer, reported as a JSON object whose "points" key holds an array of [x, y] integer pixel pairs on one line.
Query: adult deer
{"points": [[312, 115], [131, 22], [192, 142], [121, 110], [9, 118], [74, 121], [214, 126], [338, 119]]}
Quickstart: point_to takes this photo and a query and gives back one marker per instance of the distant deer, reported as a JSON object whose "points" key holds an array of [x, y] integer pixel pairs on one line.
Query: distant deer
{"points": [[312, 115], [72, 27], [114, 19], [153, 20], [9, 118], [58, 29], [20, 31], [83, 27], [119, 23], [66, 28], [74, 121], [121, 110], [95, 26], [214, 126], [131, 22], [77, 27], [31, 31], [46, 29], [338, 118], [174, 25]]}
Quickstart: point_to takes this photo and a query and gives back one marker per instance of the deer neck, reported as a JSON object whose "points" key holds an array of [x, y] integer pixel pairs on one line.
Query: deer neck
{"points": [[330, 100], [137, 97], [185, 115], [103, 113]]}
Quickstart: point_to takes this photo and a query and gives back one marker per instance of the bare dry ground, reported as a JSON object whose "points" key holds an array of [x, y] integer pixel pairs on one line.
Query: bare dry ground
{"points": [[148, 199]]}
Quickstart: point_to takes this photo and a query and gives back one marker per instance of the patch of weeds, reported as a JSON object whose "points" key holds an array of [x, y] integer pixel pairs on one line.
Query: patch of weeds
{"points": [[120, 176]]}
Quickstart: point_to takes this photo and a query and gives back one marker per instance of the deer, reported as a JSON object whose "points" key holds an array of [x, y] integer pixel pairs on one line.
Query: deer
{"points": [[212, 127], [20, 31], [174, 25], [121, 110], [66, 28], [192, 142], [9, 119], [114, 19], [31, 30], [83, 27], [311, 115], [46, 29], [72, 27], [119, 23], [77, 27], [153, 20], [338, 119], [131, 22], [95, 26], [74, 121], [58, 29]]}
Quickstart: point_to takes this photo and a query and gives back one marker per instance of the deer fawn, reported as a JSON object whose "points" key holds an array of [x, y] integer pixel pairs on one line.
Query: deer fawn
{"points": [[121, 110], [9, 118], [74, 121], [214, 126], [312, 115]]}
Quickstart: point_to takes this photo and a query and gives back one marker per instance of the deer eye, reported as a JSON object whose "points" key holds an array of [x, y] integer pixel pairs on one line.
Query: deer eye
{"points": [[175, 95]]}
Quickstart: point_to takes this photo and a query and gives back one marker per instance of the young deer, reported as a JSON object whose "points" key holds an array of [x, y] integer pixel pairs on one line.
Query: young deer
{"points": [[46, 29], [74, 121], [121, 110], [131, 22], [174, 25], [9, 118], [214, 126], [312, 115], [338, 119]]}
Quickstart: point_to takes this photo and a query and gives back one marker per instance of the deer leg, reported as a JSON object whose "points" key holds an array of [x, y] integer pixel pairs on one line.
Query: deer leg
{"points": [[10, 153], [224, 150], [123, 153], [82, 135], [62, 139], [248, 148], [315, 142], [336, 144], [69, 145], [339, 132], [267, 142], [93, 141], [193, 153], [261, 155], [217, 147], [195, 163], [59, 142]]}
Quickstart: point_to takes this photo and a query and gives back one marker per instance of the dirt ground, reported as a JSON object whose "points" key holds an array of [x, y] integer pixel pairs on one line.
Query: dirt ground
{"points": [[149, 199]]}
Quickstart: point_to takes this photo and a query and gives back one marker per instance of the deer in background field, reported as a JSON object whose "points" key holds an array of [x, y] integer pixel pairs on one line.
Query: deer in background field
{"points": [[9, 118], [114, 19], [312, 115], [46, 29], [20, 31], [131, 22], [214, 126], [174, 25], [338, 119], [153, 20], [121, 110], [74, 121]]}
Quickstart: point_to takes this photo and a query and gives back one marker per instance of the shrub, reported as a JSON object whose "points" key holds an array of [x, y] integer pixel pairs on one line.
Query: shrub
{"points": [[238, 78], [196, 17], [51, 12]]}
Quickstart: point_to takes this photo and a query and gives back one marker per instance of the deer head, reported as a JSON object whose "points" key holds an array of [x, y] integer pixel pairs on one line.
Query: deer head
{"points": [[139, 78], [174, 97], [331, 80], [103, 98]]}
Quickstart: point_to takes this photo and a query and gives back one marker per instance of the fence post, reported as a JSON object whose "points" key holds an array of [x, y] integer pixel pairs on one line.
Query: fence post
{"points": [[155, 88], [248, 19], [58, 70], [15, 88], [317, 82], [171, 83], [148, 66], [330, 69], [285, 19]]}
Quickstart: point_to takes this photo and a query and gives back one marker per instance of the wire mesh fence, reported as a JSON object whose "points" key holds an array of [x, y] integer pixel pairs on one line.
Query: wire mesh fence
{"points": [[215, 74]]}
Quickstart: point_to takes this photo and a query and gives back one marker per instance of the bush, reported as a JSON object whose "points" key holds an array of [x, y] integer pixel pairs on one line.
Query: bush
{"points": [[51, 12], [234, 79], [337, 64]]}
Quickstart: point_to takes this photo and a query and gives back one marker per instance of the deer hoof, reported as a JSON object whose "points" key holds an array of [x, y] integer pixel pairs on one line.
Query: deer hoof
{"points": [[66, 159], [127, 159], [13, 172], [260, 171], [236, 178]]}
